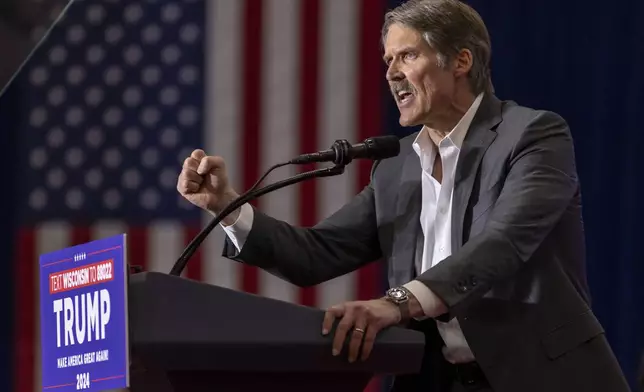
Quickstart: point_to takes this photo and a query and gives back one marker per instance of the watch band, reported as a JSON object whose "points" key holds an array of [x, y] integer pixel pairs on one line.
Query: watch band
{"points": [[404, 311], [400, 296]]}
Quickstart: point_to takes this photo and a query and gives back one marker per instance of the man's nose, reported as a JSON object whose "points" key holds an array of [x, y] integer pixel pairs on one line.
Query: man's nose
{"points": [[394, 74]]}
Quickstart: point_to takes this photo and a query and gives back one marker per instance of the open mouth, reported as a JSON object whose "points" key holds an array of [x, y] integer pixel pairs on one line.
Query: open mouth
{"points": [[404, 96]]}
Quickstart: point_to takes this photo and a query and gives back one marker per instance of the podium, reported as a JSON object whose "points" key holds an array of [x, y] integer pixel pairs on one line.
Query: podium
{"points": [[192, 336]]}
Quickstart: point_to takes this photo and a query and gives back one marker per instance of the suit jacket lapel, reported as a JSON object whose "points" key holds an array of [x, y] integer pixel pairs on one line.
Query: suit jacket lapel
{"points": [[476, 142], [407, 221]]}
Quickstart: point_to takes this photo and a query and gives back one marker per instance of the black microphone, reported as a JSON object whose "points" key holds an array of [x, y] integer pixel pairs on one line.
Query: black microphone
{"points": [[342, 152]]}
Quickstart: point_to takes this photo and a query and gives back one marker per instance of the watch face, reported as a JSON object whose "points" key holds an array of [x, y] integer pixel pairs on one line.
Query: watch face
{"points": [[397, 294]]}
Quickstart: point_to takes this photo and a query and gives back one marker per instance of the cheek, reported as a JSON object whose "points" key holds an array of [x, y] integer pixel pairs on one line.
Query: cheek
{"points": [[442, 83], [424, 85], [431, 84], [437, 90]]}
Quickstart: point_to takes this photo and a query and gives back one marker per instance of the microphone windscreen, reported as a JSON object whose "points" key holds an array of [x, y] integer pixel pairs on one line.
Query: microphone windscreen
{"points": [[382, 147]]}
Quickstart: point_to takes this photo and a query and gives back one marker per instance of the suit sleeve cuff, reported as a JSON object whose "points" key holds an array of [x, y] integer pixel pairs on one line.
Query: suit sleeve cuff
{"points": [[426, 298], [238, 231]]}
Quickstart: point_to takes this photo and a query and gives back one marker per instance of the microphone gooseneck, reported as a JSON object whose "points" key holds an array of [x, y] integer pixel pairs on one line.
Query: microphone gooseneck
{"points": [[192, 247]]}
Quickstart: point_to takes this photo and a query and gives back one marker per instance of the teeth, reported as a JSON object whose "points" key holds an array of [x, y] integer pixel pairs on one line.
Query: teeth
{"points": [[403, 94]]}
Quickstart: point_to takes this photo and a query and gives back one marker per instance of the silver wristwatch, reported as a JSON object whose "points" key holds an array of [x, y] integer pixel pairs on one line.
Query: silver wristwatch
{"points": [[400, 297]]}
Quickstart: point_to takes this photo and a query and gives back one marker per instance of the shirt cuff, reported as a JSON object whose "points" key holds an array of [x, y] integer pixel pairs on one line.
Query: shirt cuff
{"points": [[238, 231], [426, 298]]}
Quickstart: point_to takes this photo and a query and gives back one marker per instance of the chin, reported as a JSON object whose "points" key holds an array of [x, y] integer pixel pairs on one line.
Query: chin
{"points": [[408, 121]]}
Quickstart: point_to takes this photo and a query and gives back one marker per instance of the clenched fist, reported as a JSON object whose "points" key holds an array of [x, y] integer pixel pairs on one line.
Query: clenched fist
{"points": [[203, 182]]}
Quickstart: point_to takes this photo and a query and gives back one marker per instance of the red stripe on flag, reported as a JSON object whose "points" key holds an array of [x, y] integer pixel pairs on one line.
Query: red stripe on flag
{"points": [[369, 112], [137, 247], [26, 263], [252, 60], [194, 266], [309, 60], [370, 124], [80, 235]]}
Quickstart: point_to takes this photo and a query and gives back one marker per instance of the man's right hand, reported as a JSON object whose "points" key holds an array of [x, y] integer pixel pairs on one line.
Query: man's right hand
{"points": [[203, 182]]}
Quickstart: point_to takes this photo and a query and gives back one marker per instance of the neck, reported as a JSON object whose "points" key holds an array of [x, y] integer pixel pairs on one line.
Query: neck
{"points": [[445, 122]]}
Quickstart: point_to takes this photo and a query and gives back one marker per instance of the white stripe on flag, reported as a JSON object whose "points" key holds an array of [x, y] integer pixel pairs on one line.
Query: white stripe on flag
{"points": [[338, 120], [280, 128], [165, 244], [105, 229], [223, 113]]}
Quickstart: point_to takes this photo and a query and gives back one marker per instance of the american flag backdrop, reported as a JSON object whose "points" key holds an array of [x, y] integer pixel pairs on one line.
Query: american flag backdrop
{"points": [[122, 91]]}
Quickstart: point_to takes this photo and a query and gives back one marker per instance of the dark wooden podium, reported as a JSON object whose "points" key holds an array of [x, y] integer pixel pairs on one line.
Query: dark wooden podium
{"points": [[191, 336]]}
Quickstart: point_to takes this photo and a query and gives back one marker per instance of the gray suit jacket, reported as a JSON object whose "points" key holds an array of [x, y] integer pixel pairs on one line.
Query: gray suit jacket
{"points": [[516, 279]]}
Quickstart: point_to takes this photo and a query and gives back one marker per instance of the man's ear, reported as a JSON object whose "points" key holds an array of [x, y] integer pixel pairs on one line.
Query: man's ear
{"points": [[463, 62]]}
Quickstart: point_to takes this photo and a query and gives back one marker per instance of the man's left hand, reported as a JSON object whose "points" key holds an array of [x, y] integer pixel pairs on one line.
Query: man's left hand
{"points": [[363, 320]]}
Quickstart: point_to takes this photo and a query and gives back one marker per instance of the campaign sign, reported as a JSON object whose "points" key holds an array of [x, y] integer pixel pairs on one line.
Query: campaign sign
{"points": [[83, 317]]}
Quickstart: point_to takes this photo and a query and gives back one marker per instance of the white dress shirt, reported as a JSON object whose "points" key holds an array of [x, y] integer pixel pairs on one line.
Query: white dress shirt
{"points": [[436, 222], [435, 219]]}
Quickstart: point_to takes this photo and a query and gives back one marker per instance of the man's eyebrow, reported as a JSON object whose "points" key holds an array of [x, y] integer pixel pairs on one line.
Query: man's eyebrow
{"points": [[404, 49]]}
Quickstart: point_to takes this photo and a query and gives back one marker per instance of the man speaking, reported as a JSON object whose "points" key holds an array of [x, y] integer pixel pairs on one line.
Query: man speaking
{"points": [[478, 220]]}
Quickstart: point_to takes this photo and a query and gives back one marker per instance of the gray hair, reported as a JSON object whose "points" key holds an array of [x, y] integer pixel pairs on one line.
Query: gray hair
{"points": [[449, 26]]}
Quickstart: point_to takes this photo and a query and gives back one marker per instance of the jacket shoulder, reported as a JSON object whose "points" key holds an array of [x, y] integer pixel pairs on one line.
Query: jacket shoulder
{"points": [[517, 118]]}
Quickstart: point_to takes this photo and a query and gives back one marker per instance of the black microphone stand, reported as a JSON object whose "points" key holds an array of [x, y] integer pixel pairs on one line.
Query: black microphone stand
{"points": [[249, 195]]}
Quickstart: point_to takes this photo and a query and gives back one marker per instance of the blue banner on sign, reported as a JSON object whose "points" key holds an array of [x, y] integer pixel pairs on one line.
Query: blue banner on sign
{"points": [[83, 317]]}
